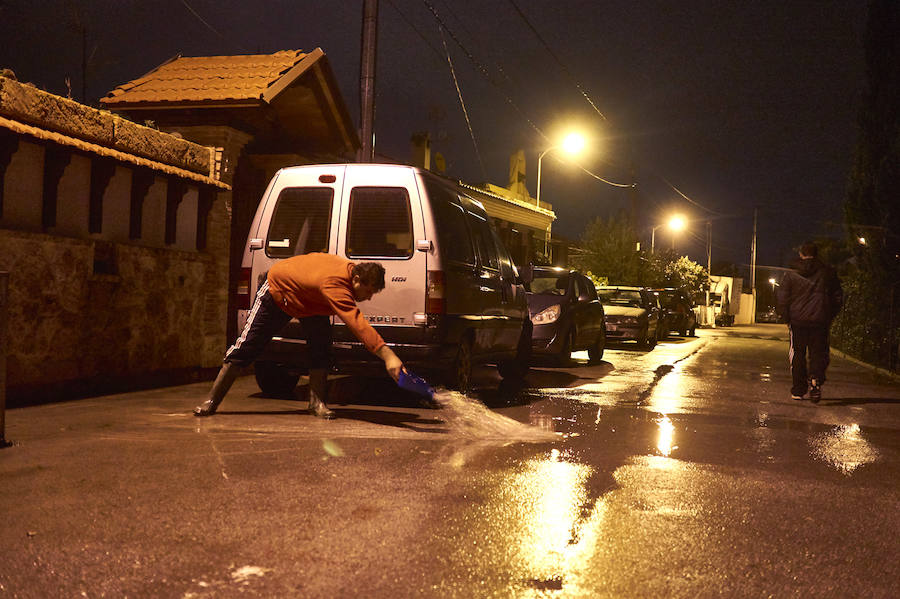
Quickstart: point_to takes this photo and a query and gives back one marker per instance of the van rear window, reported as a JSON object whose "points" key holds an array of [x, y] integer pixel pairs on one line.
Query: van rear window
{"points": [[380, 224], [301, 223]]}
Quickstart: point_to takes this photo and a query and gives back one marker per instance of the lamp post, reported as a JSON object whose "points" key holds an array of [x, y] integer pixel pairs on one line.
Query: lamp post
{"points": [[773, 282], [676, 223], [572, 144]]}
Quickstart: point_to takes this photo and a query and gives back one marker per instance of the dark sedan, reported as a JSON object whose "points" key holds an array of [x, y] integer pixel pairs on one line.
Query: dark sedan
{"points": [[678, 310], [566, 313]]}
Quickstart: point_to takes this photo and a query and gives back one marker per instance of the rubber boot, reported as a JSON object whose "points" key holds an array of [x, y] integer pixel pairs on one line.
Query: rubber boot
{"points": [[318, 389], [226, 377]]}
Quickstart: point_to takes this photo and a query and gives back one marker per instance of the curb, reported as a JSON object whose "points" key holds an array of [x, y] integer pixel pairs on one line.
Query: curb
{"points": [[857, 361]]}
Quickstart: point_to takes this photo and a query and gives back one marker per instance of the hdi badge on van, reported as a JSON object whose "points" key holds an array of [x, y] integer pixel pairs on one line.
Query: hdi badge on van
{"points": [[453, 296]]}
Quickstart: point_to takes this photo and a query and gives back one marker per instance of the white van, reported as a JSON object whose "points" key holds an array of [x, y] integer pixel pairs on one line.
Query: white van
{"points": [[452, 297]]}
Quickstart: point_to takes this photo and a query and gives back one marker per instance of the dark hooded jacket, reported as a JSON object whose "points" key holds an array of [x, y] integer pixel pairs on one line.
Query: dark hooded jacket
{"points": [[810, 295]]}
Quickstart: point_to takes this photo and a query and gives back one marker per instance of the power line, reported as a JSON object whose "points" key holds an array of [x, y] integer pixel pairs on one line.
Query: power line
{"points": [[463, 104], [416, 29], [483, 70], [558, 61], [210, 27]]}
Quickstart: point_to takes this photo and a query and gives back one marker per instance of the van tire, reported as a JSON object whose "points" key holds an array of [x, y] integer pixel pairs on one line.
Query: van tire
{"points": [[275, 380], [460, 376], [517, 368]]}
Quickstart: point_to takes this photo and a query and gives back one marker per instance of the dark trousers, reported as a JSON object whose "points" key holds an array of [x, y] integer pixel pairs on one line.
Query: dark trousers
{"points": [[266, 319], [811, 340]]}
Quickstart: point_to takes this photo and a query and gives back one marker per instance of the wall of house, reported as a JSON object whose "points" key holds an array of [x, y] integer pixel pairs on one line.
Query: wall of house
{"points": [[87, 310]]}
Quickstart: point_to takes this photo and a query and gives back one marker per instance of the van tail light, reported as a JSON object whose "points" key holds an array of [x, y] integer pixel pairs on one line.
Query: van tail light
{"points": [[243, 290], [434, 293]]}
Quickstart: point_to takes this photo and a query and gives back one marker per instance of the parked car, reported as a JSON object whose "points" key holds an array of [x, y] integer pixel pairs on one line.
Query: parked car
{"points": [[770, 315], [453, 296], [566, 314], [678, 310], [631, 313]]}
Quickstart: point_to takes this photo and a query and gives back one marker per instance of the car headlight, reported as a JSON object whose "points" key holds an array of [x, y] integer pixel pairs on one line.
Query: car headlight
{"points": [[546, 316], [631, 320]]}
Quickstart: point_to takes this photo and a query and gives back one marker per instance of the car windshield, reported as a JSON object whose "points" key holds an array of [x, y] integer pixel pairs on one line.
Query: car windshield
{"points": [[620, 297], [550, 283]]}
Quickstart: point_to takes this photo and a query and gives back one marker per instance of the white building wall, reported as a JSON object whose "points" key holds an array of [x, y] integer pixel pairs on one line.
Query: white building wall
{"points": [[186, 222], [153, 231], [23, 187], [117, 206], [73, 198]]}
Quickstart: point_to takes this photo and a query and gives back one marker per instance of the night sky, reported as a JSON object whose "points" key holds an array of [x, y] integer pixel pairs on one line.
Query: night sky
{"points": [[736, 104]]}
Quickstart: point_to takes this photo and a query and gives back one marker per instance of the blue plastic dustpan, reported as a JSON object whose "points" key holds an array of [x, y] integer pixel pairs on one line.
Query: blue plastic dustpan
{"points": [[409, 381]]}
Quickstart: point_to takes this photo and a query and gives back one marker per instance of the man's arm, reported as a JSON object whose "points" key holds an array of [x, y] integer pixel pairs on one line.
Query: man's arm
{"points": [[392, 363], [344, 306]]}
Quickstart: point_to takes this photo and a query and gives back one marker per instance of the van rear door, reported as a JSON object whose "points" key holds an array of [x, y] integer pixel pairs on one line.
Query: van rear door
{"points": [[381, 220], [295, 217]]}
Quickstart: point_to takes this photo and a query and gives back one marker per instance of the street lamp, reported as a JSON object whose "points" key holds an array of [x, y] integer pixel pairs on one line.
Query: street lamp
{"points": [[572, 144], [676, 223]]}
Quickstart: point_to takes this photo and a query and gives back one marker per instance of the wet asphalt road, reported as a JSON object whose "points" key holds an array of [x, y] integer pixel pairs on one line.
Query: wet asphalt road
{"points": [[684, 471]]}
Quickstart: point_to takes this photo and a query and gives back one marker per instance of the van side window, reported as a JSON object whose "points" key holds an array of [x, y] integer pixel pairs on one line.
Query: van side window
{"points": [[301, 223], [380, 223], [453, 233], [507, 269], [484, 243], [589, 288]]}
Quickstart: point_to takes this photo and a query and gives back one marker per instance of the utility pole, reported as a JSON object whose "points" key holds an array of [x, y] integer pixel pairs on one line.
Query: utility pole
{"points": [[708, 258], [368, 53], [753, 268]]}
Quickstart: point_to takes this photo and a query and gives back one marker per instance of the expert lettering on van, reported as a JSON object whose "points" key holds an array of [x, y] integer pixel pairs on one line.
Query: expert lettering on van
{"points": [[452, 299]]}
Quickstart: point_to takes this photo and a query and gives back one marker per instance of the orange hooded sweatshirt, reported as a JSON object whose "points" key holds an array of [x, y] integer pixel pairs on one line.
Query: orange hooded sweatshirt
{"points": [[321, 285]]}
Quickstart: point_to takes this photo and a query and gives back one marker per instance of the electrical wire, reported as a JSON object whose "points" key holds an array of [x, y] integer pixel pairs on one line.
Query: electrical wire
{"points": [[463, 104], [416, 29], [483, 70], [210, 27], [558, 61]]}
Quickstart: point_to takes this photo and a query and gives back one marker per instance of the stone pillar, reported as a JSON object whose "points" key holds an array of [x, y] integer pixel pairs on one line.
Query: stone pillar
{"points": [[228, 142]]}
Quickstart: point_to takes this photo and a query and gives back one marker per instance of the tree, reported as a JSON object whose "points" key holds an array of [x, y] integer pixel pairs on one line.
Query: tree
{"points": [[868, 325], [609, 251], [610, 255]]}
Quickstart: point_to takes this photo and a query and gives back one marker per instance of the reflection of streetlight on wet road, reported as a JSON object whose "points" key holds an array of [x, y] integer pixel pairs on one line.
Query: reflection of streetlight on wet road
{"points": [[675, 224]]}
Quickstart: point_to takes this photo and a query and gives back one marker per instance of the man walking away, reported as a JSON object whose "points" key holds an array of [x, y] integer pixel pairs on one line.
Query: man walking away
{"points": [[808, 299], [311, 288]]}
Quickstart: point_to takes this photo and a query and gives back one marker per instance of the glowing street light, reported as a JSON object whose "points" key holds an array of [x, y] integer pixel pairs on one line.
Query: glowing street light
{"points": [[572, 144], [675, 224]]}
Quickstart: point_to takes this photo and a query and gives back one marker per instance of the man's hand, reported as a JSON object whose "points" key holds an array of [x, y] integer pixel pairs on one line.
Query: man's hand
{"points": [[392, 363]]}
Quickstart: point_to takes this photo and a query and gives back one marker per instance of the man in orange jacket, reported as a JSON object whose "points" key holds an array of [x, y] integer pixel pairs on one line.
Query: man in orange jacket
{"points": [[311, 288]]}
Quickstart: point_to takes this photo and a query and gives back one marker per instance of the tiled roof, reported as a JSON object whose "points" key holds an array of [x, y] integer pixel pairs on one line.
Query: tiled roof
{"points": [[207, 79]]}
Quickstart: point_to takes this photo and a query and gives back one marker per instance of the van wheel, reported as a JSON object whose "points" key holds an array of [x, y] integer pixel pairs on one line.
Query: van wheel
{"points": [[275, 380], [517, 368], [595, 352], [461, 375]]}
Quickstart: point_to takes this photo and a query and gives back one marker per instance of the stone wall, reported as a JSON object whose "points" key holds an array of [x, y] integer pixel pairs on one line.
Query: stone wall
{"points": [[163, 312], [27, 104]]}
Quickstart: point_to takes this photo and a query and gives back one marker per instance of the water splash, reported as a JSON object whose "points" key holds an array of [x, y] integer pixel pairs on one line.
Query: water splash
{"points": [[469, 418]]}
